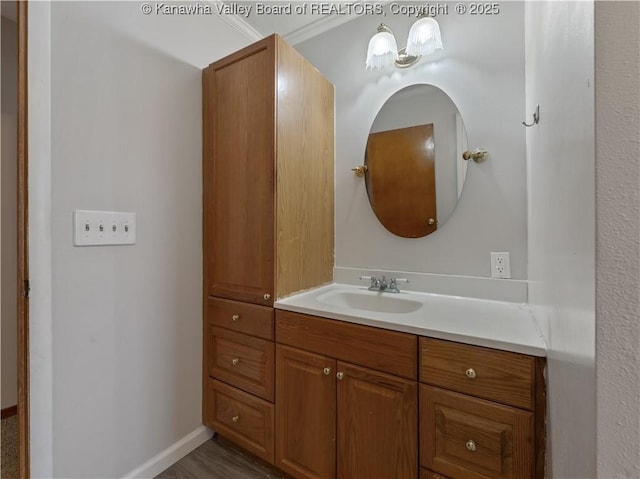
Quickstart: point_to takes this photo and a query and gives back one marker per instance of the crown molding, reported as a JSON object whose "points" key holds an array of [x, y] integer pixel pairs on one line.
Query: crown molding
{"points": [[317, 27], [299, 35], [235, 21]]}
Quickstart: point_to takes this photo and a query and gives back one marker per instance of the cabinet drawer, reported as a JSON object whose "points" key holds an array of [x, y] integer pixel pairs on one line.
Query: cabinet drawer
{"points": [[242, 361], [244, 419], [241, 317], [381, 349], [470, 438], [501, 376]]}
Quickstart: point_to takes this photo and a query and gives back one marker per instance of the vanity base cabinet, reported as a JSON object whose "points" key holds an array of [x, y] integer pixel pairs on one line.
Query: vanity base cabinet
{"points": [[335, 419]]}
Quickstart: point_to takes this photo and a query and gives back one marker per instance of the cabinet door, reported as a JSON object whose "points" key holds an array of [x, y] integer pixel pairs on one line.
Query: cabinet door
{"points": [[305, 413], [470, 438], [377, 425], [238, 175]]}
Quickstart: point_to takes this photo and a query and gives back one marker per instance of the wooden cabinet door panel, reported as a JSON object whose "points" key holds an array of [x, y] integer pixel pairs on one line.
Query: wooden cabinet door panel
{"points": [[239, 174], [469, 438], [377, 425], [305, 413]]}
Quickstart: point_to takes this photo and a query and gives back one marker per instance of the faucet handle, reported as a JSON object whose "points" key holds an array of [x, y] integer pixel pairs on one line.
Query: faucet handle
{"points": [[393, 285], [374, 281]]}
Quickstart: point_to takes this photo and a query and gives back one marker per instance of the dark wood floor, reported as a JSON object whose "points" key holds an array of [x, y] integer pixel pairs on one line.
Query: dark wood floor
{"points": [[216, 459]]}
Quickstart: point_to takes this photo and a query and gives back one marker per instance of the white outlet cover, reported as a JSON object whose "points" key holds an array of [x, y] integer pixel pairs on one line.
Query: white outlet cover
{"points": [[118, 228], [500, 265]]}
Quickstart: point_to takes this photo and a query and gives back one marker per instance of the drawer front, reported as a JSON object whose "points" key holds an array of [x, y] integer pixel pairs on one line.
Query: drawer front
{"points": [[380, 349], [470, 438], [242, 361], [240, 417], [501, 376], [241, 317]]}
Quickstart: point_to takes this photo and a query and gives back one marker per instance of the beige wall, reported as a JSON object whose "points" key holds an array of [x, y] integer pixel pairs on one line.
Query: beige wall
{"points": [[8, 201], [617, 129]]}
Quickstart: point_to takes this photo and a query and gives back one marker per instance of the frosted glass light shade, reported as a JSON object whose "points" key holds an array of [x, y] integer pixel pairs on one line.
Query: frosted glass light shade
{"points": [[424, 37], [382, 51]]}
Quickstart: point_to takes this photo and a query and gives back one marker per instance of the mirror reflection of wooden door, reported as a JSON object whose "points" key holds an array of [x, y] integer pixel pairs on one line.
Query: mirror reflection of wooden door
{"points": [[401, 181]]}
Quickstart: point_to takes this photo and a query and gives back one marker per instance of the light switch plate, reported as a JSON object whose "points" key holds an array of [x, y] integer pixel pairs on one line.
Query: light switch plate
{"points": [[98, 228]]}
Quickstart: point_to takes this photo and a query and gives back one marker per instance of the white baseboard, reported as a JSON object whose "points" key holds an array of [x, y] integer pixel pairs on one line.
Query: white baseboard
{"points": [[171, 455]]}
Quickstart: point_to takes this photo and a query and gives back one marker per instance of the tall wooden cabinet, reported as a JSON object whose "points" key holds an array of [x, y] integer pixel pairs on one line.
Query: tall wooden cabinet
{"points": [[268, 174], [268, 149]]}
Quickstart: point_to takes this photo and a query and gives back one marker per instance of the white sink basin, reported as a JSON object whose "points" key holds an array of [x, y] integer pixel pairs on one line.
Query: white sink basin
{"points": [[370, 301]]}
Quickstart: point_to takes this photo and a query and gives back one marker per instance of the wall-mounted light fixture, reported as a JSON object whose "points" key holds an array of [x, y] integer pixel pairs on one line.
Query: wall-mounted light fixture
{"points": [[424, 38]]}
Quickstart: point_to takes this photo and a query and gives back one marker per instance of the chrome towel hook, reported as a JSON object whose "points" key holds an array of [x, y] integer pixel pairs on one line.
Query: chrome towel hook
{"points": [[536, 118]]}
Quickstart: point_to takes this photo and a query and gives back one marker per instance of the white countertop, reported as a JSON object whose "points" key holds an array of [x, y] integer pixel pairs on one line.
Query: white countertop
{"points": [[494, 324]]}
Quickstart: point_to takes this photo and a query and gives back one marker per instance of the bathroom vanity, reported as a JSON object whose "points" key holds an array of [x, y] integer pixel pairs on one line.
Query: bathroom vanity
{"points": [[338, 381], [352, 400]]}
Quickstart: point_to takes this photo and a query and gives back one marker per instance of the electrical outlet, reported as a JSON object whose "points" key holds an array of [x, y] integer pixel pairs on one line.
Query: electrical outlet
{"points": [[500, 265], [100, 228]]}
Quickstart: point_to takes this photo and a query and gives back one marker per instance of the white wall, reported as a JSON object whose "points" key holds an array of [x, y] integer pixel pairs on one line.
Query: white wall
{"points": [[482, 70], [421, 105], [40, 275], [618, 238], [561, 172], [125, 99], [9, 248]]}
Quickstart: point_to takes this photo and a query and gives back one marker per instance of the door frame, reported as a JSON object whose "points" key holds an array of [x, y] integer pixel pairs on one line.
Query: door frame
{"points": [[23, 247]]}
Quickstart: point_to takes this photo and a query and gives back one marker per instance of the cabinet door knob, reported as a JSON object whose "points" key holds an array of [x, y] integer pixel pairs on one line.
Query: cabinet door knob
{"points": [[235, 317], [235, 418], [267, 296], [340, 375], [471, 445], [470, 373], [326, 371], [235, 361]]}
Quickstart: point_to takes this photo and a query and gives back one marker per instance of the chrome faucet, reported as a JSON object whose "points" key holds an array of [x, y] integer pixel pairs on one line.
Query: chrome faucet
{"points": [[382, 285]]}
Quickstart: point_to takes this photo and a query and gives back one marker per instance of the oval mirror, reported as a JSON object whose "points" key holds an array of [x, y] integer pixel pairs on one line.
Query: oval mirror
{"points": [[415, 171]]}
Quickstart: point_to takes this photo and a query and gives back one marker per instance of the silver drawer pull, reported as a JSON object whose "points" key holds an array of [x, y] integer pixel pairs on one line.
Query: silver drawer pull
{"points": [[235, 361], [340, 375], [326, 371], [235, 317], [470, 373], [471, 446], [235, 418]]}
